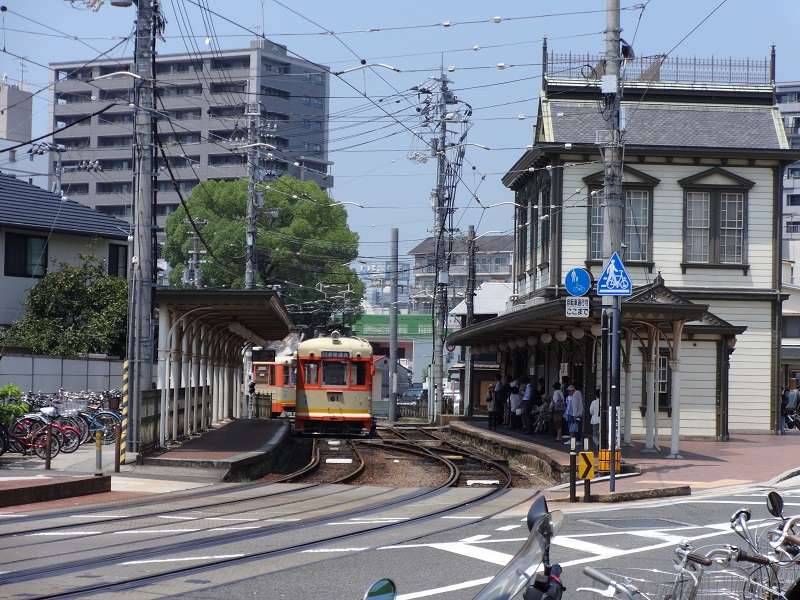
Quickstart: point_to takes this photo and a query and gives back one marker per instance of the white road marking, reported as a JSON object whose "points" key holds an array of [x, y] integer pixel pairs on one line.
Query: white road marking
{"points": [[235, 528], [339, 461], [476, 517], [280, 520], [475, 538], [99, 517], [582, 546], [443, 590], [320, 550], [483, 482], [363, 522], [11, 516], [127, 531], [507, 527], [188, 558], [177, 518], [380, 518], [235, 519], [58, 533], [657, 535]]}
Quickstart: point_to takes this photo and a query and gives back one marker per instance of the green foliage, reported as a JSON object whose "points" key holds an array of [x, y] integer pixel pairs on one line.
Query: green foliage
{"points": [[11, 410], [306, 244], [10, 391], [74, 310]]}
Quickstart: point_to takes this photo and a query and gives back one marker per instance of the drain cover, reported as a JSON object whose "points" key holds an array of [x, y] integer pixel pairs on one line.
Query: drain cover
{"points": [[636, 523]]}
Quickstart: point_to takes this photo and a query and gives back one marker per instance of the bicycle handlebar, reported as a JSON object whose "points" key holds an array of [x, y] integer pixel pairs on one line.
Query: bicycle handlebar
{"points": [[599, 576], [699, 559], [758, 559]]}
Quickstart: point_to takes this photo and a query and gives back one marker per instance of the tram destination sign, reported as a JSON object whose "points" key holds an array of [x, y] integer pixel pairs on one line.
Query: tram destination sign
{"points": [[577, 307]]}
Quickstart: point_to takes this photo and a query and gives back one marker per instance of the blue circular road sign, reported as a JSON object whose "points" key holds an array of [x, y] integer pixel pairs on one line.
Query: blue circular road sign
{"points": [[577, 282]]}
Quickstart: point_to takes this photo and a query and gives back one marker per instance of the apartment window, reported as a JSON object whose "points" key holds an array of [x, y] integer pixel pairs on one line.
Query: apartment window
{"points": [[81, 74], [188, 137], [119, 94], [184, 185], [233, 62], [114, 187], [26, 255], [117, 260], [226, 135], [311, 101], [163, 210], [75, 189], [220, 87], [307, 146], [115, 210], [108, 69], [79, 120], [114, 141], [73, 143], [115, 118], [273, 116], [226, 111], [179, 90], [215, 160], [116, 164], [186, 114], [74, 97], [315, 78], [714, 230], [793, 227], [275, 92]]}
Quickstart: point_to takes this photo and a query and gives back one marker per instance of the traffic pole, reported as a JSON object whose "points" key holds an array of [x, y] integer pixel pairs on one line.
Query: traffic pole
{"points": [[122, 435], [117, 447], [573, 468], [98, 454], [47, 455], [587, 483]]}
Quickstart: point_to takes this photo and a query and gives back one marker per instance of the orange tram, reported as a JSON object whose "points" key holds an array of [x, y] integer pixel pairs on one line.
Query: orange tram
{"points": [[277, 380], [328, 385]]}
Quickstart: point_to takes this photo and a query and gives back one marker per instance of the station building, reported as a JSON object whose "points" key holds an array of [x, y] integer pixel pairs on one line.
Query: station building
{"points": [[704, 155]]}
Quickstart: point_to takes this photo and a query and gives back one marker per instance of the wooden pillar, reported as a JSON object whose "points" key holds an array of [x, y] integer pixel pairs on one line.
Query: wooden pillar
{"points": [[651, 362], [626, 365], [675, 365]]}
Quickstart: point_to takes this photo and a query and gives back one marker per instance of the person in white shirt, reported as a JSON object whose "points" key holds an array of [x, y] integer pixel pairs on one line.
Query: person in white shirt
{"points": [[515, 400], [559, 405], [594, 412], [574, 410]]}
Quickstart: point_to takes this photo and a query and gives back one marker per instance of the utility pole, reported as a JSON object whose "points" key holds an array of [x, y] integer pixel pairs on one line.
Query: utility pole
{"points": [[140, 327], [394, 265], [613, 214], [253, 115], [194, 275], [442, 271], [469, 295]]}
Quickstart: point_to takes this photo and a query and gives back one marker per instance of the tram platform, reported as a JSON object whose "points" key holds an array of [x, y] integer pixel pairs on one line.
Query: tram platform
{"points": [[231, 451], [704, 464]]}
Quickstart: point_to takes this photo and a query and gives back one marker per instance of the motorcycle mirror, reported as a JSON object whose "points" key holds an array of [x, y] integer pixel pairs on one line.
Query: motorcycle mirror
{"points": [[742, 511], [537, 510], [775, 504], [383, 589]]}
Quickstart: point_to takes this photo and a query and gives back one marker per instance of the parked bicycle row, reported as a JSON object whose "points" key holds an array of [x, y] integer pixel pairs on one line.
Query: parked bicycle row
{"points": [[28, 432]]}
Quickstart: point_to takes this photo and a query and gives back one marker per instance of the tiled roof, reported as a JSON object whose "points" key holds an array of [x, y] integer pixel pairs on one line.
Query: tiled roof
{"points": [[667, 124], [487, 243], [25, 206]]}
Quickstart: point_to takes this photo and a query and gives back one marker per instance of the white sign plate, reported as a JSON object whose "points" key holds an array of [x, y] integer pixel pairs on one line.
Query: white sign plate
{"points": [[577, 307]]}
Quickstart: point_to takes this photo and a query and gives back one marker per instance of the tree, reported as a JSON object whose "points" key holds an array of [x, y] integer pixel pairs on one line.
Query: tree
{"points": [[74, 310], [305, 248]]}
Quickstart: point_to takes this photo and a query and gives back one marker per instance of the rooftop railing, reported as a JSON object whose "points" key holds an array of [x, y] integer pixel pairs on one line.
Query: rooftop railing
{"points": [[667, 69]]}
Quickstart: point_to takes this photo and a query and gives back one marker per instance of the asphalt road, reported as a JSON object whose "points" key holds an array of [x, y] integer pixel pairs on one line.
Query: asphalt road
{"points": [[329, 542]]}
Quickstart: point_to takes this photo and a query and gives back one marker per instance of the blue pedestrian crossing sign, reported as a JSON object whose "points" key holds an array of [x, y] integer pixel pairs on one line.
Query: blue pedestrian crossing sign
{"points": [[614, 280], [577, 282]]}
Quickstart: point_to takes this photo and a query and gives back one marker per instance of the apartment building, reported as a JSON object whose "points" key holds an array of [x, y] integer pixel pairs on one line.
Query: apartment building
{"points": [[15, 127], [493, 258], [787, 96], [206, 96]]}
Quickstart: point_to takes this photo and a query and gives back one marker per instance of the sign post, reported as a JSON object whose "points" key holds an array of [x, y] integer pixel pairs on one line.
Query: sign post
{"points": [[614, 281]]}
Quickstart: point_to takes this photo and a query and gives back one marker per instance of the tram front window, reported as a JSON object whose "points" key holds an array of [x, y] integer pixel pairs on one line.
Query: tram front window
{"points": [[334, 373], [311, 373], [286, 374], [359, 373]]}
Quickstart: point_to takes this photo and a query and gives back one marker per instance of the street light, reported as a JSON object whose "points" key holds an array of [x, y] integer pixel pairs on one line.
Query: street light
{"points": [[115, 73], [367, 66]]}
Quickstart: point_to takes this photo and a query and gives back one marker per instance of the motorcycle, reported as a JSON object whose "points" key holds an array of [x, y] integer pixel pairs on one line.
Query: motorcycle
{"points": [[522, 571]]}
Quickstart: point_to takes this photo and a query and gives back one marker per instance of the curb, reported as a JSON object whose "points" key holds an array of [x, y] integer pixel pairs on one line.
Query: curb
{"points": [[56, 490], [666, 492]]}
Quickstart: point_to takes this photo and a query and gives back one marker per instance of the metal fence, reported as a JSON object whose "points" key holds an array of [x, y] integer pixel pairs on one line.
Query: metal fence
{"points": [[661, 68]]}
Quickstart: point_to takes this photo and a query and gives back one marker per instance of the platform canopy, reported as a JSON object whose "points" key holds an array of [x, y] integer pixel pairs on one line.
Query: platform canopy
{"points": [[257, 316]]}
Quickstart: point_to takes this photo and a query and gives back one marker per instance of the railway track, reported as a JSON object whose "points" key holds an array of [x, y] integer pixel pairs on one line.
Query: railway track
{"points": [[333, 461]]}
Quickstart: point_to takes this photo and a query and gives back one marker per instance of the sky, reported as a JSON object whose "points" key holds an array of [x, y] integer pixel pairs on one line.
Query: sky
{"points": [[371, 160]]}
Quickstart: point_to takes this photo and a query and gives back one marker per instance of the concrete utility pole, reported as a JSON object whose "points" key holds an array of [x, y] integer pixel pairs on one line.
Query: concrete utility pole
{"points": [[613, 213], [140, 329], [469, 294], [253, 115], [195, 276], [395, 263], [440, 240]]}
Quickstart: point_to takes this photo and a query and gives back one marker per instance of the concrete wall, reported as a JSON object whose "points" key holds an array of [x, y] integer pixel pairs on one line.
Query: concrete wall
{"points": [[48, 374]]}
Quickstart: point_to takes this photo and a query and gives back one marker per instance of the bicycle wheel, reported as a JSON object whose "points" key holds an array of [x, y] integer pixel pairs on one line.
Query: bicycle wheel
{"points": [[39, 444], [70, 440], [109, 423], [85, 427]]}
